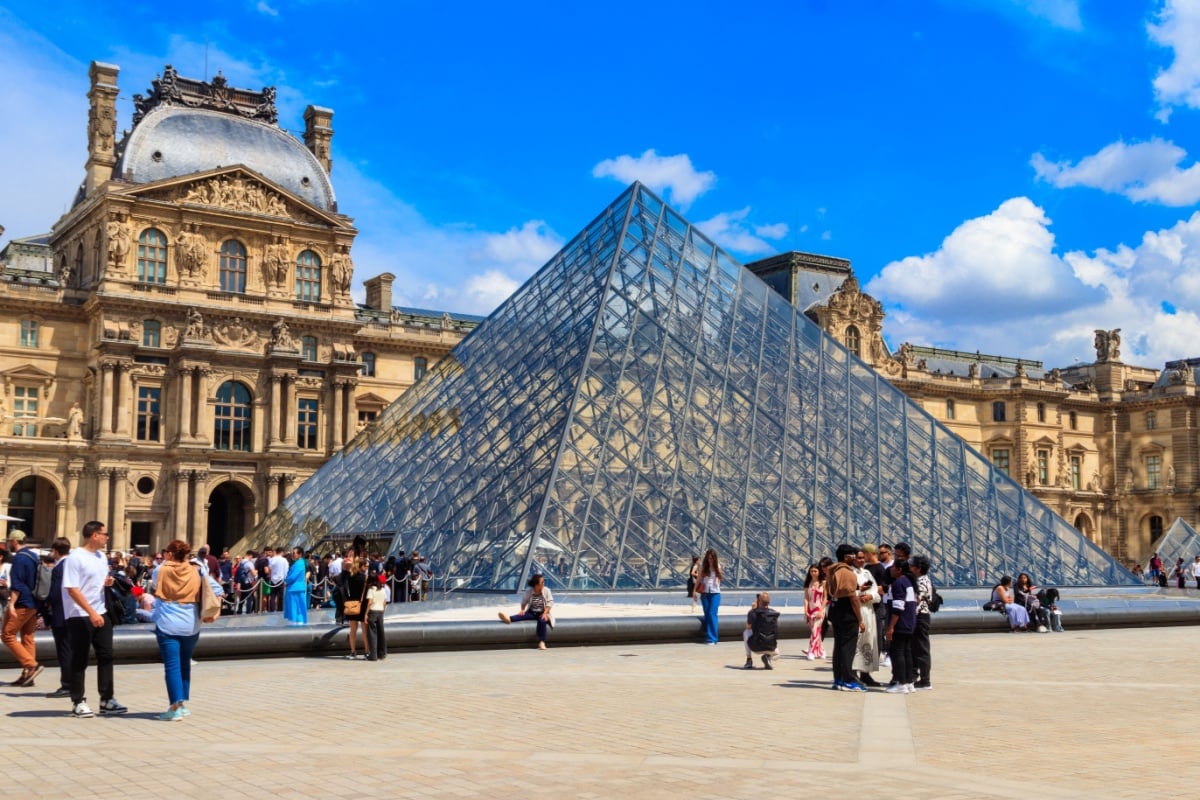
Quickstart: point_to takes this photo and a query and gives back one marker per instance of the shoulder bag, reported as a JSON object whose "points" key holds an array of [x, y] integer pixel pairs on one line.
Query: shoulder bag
{"points": [[353, 608]]}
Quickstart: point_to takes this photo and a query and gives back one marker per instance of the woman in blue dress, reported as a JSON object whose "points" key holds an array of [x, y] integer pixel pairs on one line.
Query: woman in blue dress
{"points": [[295, 593]]}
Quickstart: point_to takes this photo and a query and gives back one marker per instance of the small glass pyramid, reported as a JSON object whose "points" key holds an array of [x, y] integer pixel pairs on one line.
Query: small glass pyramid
{"points": [[643, 398], [1180, 541]]}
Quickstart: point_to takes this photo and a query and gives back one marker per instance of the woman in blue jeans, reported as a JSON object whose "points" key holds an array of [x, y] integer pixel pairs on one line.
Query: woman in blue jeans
{"points": [[710, 593], [177, 625]]}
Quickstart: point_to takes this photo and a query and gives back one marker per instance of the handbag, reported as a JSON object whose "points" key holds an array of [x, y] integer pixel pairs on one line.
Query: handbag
{"points": [[210, 604], [352, 608]]}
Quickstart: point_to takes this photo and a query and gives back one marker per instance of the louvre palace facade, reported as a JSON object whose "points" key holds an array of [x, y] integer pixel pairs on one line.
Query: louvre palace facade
{"points": [[181, 350], [1109, 446]]}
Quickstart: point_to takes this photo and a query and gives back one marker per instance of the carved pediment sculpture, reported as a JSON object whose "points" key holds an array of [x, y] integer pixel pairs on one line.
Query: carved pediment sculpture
{"points": [[235, 193], [235, 333]]}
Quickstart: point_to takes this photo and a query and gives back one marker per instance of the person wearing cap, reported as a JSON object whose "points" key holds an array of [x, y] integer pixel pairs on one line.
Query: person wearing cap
{"points": [[20, 615], [377, 596]]}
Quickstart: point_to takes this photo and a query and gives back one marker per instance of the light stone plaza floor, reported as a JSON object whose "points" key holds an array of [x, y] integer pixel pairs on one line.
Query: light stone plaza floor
{"points": [[1084, 714]]}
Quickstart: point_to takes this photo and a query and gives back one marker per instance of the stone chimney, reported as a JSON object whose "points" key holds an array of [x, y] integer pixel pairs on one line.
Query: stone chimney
{"points": [[318, 134], [379, 292], [102, 125]]}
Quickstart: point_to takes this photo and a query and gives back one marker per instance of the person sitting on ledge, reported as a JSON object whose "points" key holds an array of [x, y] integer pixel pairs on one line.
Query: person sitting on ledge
{"points": [[1002, 593], [535, 605]]}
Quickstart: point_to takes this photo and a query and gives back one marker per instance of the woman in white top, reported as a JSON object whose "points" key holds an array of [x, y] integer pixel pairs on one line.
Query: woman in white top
{"points": [[535, 605], [866, 657], [710, 593]]}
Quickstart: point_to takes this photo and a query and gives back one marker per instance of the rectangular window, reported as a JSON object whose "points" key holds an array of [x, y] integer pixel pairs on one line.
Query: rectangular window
{"points": [[1043, 462], [148, 416], [1076, 472], [1000, 460], [1151, 420], [1153, 471], [998, 414], [25, 405], [1041, 412], [306, 424], [29, 333], [950, 409], [420, 366], [366, 417]]}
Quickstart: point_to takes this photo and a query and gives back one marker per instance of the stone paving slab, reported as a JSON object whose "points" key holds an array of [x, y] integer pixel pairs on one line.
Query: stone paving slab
{"points": [[1092, 714]]}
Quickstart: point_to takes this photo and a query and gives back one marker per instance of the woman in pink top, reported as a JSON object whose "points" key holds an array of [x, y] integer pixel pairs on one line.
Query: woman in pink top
{"points": [[814, 610]]}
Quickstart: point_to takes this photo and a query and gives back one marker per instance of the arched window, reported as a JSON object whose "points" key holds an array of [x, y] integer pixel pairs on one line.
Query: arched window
{"points": [[854, 341], [950, 408], [308, 277], [233, 267], [308, 348], [368, 365], [152, 256], [1156, 528], [231, 428], [151, 333], [420, 367]]}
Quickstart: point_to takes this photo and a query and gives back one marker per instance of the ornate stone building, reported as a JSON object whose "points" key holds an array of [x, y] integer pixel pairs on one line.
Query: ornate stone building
{"points": [[182, 349], [1111, 447]]}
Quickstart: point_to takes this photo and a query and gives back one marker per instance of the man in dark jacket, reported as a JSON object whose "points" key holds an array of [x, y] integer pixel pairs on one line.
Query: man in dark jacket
{"points": [[56, 620], [845, 613], [20, 616]]}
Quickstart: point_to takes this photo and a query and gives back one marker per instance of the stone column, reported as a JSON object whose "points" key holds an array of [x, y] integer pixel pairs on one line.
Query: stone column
{"points": [[339, 389], [289, 399], [199, 500], [285, 484], [185, 402], [103, 490], [204, 423], [71, 522], [272, 492], [351, 410], [119, 537], [125, 403], [106, 398], [60, 518], [274, 424], [182, 476]]}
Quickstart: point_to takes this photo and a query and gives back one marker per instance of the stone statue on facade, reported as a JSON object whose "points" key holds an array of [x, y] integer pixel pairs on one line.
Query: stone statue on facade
{"points": [[75, 422], [1170, 477], [64, 273], [281, 337], [275, 262], [973, 369], [117, 234], [1108, 345], [190, 253], [341, 270], [195, 325], [1181, 375], [1129, 480]]}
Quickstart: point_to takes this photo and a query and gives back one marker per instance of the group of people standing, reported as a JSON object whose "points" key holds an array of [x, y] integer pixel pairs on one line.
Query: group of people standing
{"points": [[877, 600]]}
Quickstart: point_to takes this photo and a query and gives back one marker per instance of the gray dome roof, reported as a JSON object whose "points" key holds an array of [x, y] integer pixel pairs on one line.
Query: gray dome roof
{"points": [[172, 141]]}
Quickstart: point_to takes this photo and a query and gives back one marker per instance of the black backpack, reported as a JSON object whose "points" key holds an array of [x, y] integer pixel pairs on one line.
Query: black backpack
{"points": [[764, 631], [934, 602]]}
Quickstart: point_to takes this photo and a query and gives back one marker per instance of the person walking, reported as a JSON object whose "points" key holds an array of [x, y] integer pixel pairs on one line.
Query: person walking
{"points": [[85, 577], [693, 574], [295, 594], [845, 613], [21, 612], [710, 593], [177, 625], [56, 619], [537, 605], [814, 611]]}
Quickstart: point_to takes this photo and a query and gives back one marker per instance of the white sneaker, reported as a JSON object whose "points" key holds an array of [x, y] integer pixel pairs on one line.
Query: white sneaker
{"points": [[886, 661], [82, 710], [899, 688], [909, 688]]}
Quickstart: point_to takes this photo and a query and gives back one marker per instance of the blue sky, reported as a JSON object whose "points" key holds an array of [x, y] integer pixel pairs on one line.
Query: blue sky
{"points": [[1005, 175]]}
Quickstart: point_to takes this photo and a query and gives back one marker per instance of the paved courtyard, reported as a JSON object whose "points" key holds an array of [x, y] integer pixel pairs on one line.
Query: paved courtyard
{"points": [[1078, 715]]}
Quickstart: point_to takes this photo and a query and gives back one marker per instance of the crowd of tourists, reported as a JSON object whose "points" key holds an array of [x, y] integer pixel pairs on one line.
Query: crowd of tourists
{"points": [[1160, 575]]}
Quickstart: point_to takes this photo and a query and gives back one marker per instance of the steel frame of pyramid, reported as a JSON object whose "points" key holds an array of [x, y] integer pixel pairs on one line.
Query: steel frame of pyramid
{"points": [[1180, 541], [643, 397]]}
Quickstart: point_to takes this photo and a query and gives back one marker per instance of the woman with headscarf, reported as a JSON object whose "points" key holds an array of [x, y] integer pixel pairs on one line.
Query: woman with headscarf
{"points": [[295, 593]]}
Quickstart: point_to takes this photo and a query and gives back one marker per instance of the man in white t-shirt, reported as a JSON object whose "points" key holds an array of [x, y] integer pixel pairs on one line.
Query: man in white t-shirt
{"points": [[1196, 571], [279, 570], [85, 575], [335, 586]]}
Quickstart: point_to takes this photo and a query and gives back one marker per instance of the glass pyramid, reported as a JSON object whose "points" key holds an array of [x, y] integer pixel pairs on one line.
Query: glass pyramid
{"points": [[1180, 541], [642, 398]]}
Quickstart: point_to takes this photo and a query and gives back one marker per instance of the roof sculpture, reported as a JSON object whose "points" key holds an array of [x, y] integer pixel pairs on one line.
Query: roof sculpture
{"points": [[644, 397]]}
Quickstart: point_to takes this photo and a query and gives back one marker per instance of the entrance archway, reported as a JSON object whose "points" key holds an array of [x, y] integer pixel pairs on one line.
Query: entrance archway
{"points": [[35, 500], [229, 511]]}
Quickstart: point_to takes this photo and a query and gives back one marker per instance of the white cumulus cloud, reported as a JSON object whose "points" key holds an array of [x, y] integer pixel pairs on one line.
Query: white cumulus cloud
{"points": [[672, 174], [1144, 171], [1177, 27], [997, 284], [730, 230]]}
